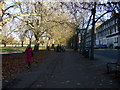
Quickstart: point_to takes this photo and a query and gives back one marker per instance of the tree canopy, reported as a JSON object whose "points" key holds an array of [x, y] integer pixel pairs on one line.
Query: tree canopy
{"points": [[57, 20]]}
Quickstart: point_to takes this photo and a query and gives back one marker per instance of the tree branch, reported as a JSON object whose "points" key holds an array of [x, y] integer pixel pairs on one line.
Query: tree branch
{"points": [[102, 15]]}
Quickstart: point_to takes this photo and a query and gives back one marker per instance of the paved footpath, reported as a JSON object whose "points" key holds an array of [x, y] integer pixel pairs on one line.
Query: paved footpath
{"points": [[66, 70]]}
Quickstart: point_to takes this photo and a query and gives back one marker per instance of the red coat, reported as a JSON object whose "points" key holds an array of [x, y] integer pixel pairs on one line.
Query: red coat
{"points": [[28, 52]]}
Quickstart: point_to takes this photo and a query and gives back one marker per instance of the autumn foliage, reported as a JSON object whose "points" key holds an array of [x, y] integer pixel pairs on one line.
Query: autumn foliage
{"points": [[16, 62]]}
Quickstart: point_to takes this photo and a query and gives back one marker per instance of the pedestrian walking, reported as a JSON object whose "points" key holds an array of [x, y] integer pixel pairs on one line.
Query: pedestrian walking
{"points": [[29, 55], [58, 48], [63, 48]]}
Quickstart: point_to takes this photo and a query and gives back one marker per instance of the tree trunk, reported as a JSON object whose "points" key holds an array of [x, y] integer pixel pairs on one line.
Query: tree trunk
{"points": [[84, 43], [81, 43], [30, 42], [76, 42], [36, 47], [84, 37], [4, 44], [22, 43], [92, 33]]}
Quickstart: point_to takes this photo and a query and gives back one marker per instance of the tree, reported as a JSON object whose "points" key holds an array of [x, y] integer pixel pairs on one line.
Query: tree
{"points": [[99, 10], [29, 34], [110, 7], [22, 38], [102, 9], [44, 22], [7, 31], [79, 17], [9, 40]]}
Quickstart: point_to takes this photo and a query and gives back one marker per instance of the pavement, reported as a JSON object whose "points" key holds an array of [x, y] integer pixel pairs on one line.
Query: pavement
{"points": [[65, 70]]}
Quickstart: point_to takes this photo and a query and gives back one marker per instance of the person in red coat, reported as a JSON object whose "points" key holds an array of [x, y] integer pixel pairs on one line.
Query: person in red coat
{"points": [[29, 55]]}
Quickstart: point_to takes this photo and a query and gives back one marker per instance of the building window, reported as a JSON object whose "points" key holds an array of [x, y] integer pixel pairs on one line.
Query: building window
{"points": [[116, 21], [110, 31], [116, 28], [106, 32], [117, 39], [113, 22], [108, 41], [113, 30]]}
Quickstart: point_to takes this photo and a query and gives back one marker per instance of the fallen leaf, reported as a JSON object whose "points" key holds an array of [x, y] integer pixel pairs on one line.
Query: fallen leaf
{"points": [[6, 80], [67, 81], [78, 83], [62, 82], [16, 63], [100, 84], [39, 85]]}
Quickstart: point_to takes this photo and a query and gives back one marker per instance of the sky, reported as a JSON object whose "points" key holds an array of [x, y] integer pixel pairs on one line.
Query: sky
{"points": [[60, 0]]}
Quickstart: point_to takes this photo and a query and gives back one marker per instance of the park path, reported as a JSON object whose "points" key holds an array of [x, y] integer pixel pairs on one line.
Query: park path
{"points": [[65, 70]]}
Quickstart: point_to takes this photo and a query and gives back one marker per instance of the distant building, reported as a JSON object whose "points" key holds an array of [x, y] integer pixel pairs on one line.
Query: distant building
{"points": [[88, 35], [88, 38], [108, 33]]}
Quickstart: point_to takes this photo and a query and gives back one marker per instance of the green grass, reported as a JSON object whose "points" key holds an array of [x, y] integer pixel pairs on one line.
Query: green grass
{"points": [[6, 50], [11, 49], [22, 49]]}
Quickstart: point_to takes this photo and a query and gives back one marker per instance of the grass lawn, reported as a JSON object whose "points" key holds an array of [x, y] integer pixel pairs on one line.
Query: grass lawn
{"points": [[6, 50], [12, 49]]}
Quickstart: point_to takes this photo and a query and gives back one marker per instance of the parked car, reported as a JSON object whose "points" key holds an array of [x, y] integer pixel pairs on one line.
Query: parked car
{"points": [[100, 46]]}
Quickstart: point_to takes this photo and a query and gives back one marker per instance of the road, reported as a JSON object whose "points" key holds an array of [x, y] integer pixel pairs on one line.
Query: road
{"points": [[110, 55], [65, 70]]}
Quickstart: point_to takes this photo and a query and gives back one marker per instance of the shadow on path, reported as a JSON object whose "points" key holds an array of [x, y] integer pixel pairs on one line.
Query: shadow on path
{"points": [[65, 70]]}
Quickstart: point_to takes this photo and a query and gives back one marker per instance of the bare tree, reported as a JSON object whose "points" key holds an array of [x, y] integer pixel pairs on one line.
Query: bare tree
{"points": [[22, 38], [7, 30], [29, 34]]}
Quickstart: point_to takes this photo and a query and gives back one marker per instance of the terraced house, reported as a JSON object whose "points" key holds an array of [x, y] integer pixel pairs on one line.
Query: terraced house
{"points": [[108, 33]]}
